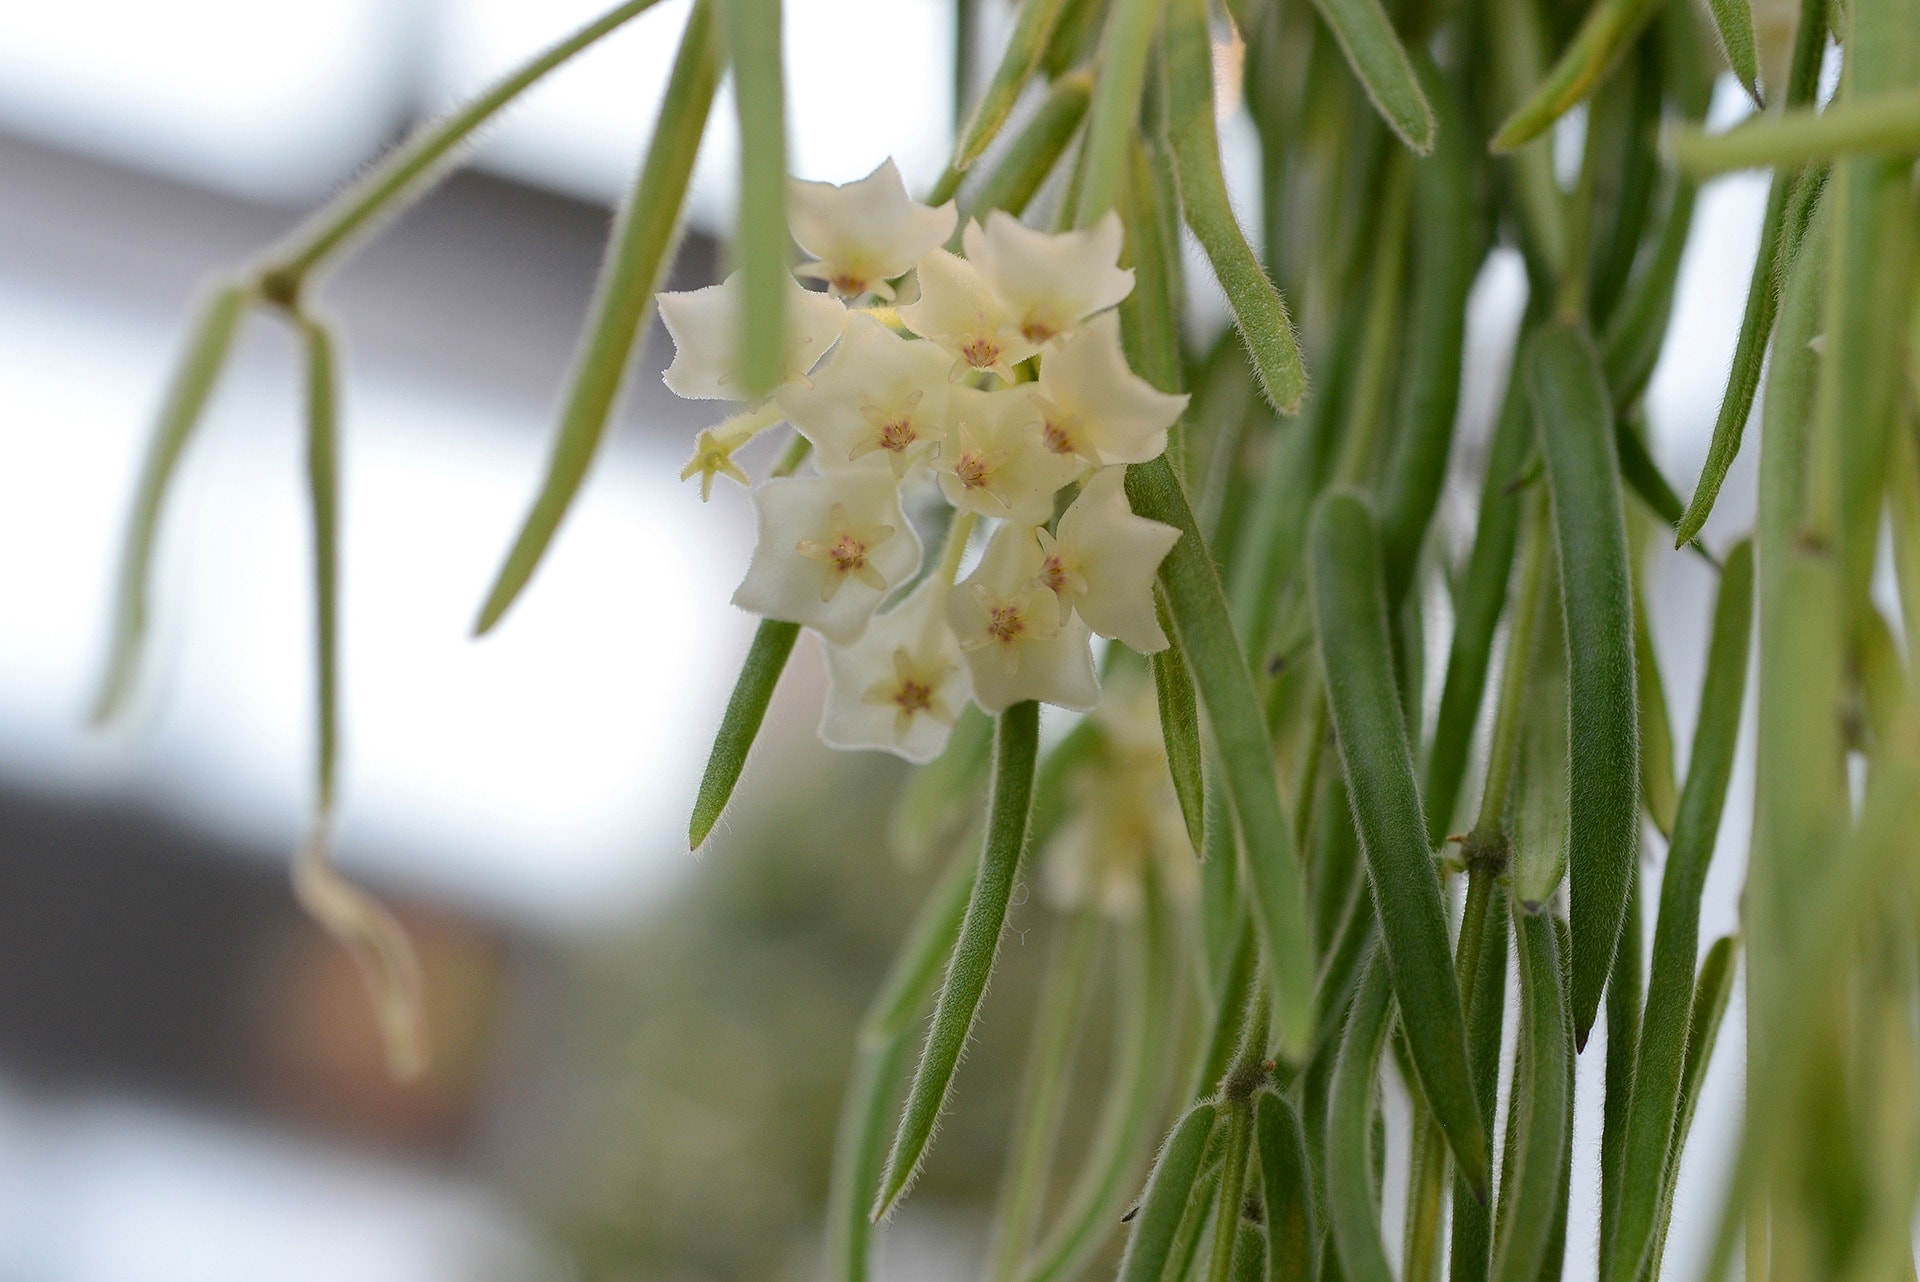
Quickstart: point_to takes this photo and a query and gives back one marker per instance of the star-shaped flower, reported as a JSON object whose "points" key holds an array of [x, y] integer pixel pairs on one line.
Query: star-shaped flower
{"points": [[1094, 406], [900, 686], [705, 326], [830, 549], [959, 310], [713, 449], [1050, 283], [1102, 563], [1016, 644], [993, 461], [865, 233], [880, 399]]}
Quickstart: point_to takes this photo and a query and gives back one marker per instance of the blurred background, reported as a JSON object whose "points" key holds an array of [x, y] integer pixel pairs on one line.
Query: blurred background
{"points": [[639, 1055]]}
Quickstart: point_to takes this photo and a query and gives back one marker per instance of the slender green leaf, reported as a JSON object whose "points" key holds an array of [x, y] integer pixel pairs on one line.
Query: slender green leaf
{"points": [[1636, 330], [1008, 811], [372, 937], [1180, 728], [1710, 998], [1233, 1188], [1542, 771], [1575, 423], [1734, 21], [630, 271], [1625, 990], [1174, 1172], [1287, 1182], [400, 174], [1657, 787], [1470, 1252], [1643, 476], [1379, 61], [1034, 151], [323, 499], [1446, 258], [1150, 314], [1659, 1071], [1350, 610], [740, 723], [1199, 609], [1885, 124], [1610, 27], [1032, 32], [1477, 607], [1114, 116], [1530, 1192], [759, 92], [1789, 204], [1352, 1210], [1258, 309], [208, 344]]}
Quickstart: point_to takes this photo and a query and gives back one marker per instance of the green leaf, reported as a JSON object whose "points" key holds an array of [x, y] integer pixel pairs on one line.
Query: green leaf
{"points": [[1575, 423], [1636, 330], [1710, 998], [1032, 32], [1349, 600], [1644, 478], [323, 499], [208, 344], [401, 174], [1034, 151], [1174, 1172], [1374, 52], [740, 723], [1352, 1212], [762, 245], [1540, 760], [1199, 608], [1624, 993], [1292, 1224], [630, 271], [1657, 787], [1258, 310], [1886, 123], [1660, 1069], [1469, 1254], [1610, 27], [1789, 204], [1114, 117], [1531, 1197], [1734, 21], [1008, 809], [1478, 604], [1447, 243], [1180, 728]]}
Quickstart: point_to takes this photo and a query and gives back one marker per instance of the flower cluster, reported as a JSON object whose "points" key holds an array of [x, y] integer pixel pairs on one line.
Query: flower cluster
{"points": [[987, 382]]}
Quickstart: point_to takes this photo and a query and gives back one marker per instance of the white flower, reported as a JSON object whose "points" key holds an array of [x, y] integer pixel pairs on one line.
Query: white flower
{"points": [[1050, 282], [1016, 644], [830, 548], [1102, 562], [705, 325], [900, 686], [993, 461], [865, 233], [880, 399], [1094, 406], [959, 310]]}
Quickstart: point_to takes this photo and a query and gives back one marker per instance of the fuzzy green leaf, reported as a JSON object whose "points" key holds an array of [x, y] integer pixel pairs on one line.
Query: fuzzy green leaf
{"points": [[740, 723]]}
